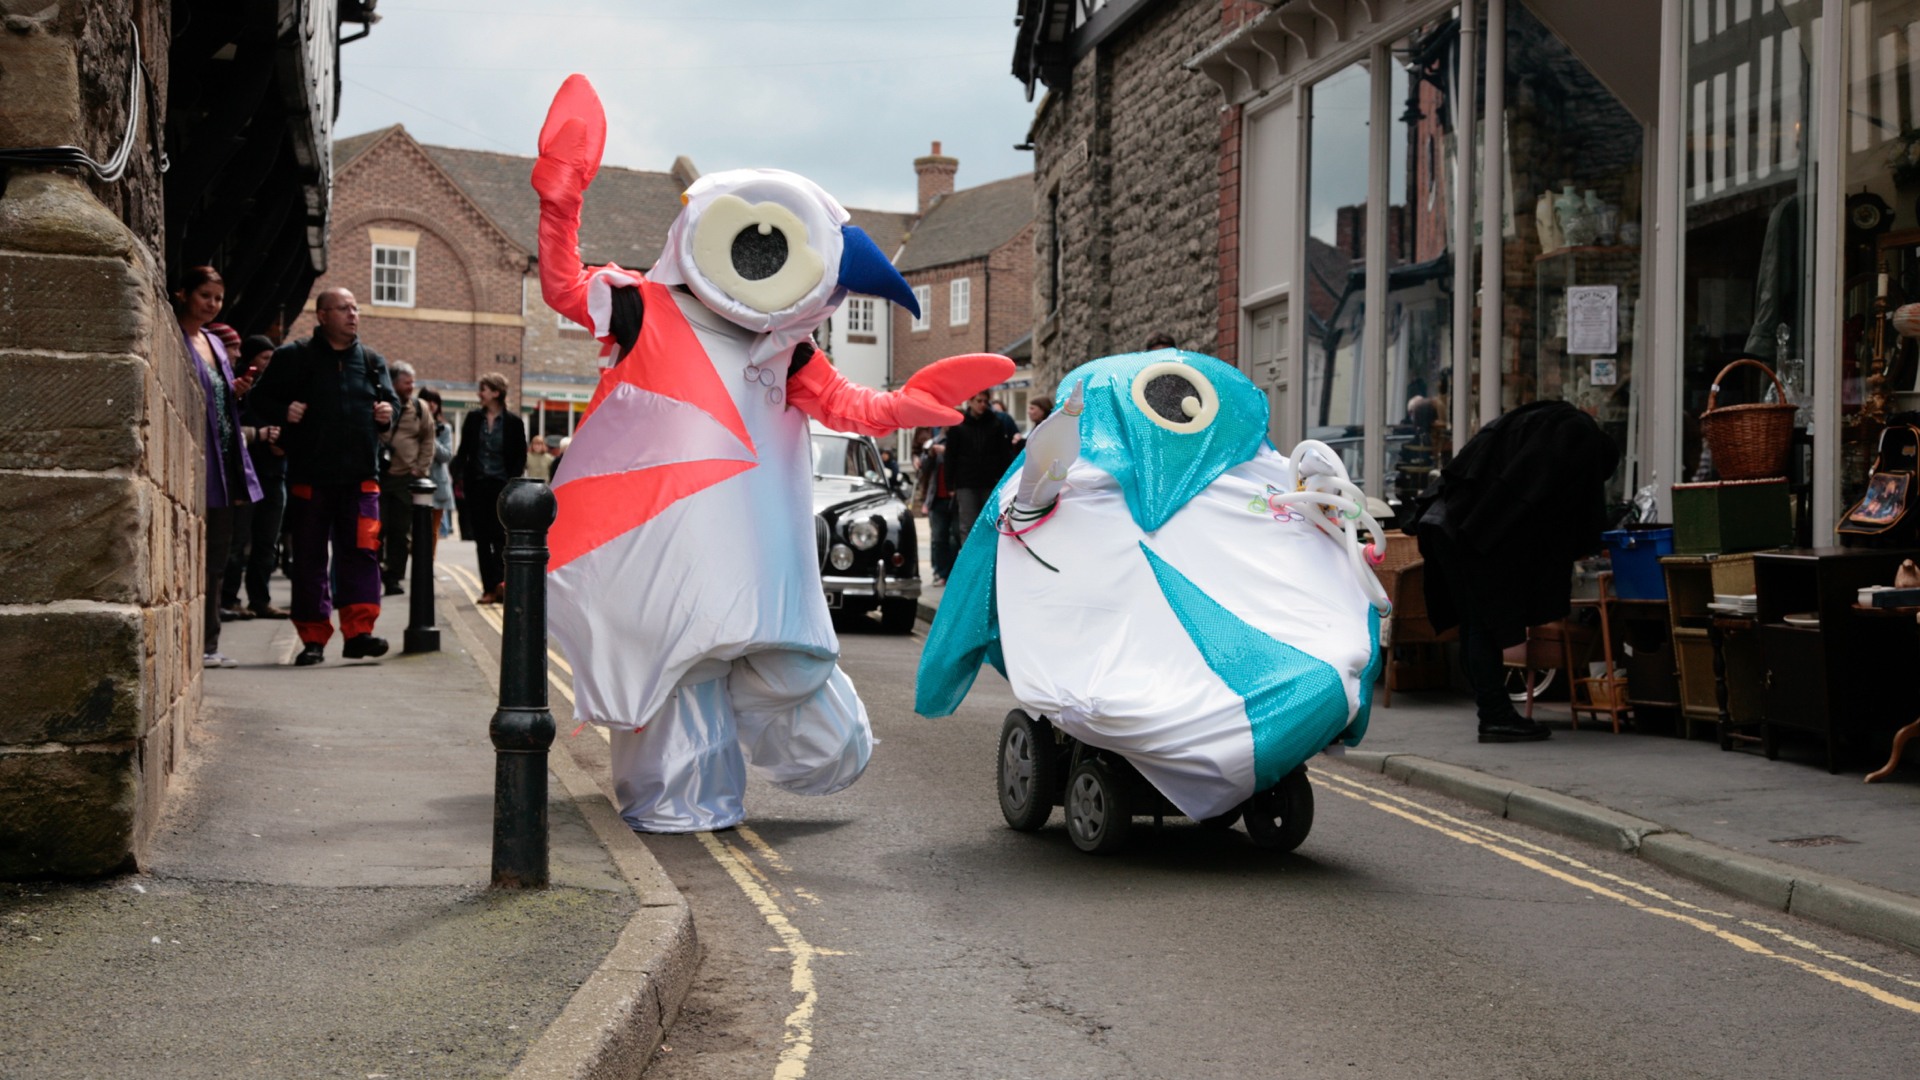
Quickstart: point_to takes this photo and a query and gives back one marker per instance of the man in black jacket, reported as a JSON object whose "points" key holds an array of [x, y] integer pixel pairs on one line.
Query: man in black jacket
{"points": [[334, 399], [978, 451], [1523, 499]]}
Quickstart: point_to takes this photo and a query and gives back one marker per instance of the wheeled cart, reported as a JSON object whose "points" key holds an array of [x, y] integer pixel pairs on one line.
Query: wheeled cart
{"points": [[1040, 767]]}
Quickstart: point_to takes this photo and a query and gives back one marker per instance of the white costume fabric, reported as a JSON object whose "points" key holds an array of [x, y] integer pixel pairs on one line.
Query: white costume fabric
{"points": [[1167, 586]]}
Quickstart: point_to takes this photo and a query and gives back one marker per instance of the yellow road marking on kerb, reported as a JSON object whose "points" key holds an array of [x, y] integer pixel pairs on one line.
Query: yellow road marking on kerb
{"points": [[1384, 801], [799, 1025]]}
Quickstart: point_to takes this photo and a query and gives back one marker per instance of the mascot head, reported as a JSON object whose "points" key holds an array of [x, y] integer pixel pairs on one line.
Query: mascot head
{"points": [[770, 251]]}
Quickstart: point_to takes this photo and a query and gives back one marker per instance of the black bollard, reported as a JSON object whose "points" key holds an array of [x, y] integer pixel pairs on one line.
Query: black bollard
{"points": [[422, 633], [522, 728]]}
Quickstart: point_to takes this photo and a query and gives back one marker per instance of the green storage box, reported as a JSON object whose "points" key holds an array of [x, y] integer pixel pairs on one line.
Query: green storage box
{"points": [[1731, 515]]}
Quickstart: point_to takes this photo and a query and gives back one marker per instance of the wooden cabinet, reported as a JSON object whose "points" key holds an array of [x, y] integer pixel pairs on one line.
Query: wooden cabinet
{"points": [[1692, 583], [1838, 676]]}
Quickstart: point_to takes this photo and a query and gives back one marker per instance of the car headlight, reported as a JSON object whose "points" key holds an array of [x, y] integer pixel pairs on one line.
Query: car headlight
{"points": [[841, 557], [863, 534]]}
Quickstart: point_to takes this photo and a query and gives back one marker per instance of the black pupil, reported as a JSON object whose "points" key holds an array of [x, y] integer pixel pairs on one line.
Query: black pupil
{"points": [[1164, 394], [758, 255]]}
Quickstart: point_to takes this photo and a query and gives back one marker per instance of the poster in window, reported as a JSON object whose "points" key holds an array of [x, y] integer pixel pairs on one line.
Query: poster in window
{"points": [[1593, 320]]}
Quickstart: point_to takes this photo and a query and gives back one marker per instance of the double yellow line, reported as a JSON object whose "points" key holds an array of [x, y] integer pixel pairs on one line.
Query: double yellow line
{"points": [[1640, 897], [739, 864]]}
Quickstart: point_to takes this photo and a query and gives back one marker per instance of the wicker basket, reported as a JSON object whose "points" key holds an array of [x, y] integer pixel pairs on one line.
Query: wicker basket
{"points": [[1748, 442]]}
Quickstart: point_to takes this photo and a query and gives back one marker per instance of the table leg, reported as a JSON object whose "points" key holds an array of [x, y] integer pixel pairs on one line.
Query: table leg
{"points": [[1899, 743], [1717, 639]]}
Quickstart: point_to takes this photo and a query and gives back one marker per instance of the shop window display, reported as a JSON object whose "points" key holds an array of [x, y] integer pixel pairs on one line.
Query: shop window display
{"points": [[1880, 364], [1336, 262], [1748, 183]]}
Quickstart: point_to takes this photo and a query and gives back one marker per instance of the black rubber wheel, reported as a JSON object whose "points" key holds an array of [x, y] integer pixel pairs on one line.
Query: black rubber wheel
{"points": [[1282, 816], [1098, 815], [1025, 770], [897, 614]]}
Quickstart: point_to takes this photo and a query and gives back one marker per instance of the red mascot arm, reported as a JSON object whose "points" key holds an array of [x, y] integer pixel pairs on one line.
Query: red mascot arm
{"points": [[571, 143], [819, 390]]}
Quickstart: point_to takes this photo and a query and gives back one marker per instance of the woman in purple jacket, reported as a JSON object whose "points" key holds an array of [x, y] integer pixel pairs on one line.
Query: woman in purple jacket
{"points": [[230, 479]]}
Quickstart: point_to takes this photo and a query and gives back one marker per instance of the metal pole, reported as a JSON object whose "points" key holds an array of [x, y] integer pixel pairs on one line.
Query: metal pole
{"points": [[522, 728], [1467, 88], [422, 633], [1493, 172]]}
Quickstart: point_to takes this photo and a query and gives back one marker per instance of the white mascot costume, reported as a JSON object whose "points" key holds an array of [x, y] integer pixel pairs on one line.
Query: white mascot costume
{"points": [[1165, 586], [684, 580]]}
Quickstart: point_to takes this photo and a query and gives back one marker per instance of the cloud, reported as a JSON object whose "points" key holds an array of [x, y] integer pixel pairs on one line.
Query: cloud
{"points": [[847, 92]]}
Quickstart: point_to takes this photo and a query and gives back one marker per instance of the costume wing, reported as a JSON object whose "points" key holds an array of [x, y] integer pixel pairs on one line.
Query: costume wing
{"points": [[966, 631]]}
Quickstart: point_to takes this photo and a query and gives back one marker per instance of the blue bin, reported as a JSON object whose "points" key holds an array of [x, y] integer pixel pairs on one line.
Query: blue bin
{"points": [[1636, 562]]}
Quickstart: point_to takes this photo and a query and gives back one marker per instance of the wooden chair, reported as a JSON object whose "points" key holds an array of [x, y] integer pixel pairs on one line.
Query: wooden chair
{"points": [[1402, 574]]}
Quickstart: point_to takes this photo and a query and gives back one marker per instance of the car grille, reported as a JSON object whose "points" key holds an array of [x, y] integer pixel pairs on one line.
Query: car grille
{"points": [[822, 539]]}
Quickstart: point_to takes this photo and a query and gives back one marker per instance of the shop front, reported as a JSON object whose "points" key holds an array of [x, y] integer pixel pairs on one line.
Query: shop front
{"points": [[1451, 209]]}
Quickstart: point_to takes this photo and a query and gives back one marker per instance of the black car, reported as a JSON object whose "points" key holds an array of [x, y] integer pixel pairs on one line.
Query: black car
{"points": [[869, 551]]}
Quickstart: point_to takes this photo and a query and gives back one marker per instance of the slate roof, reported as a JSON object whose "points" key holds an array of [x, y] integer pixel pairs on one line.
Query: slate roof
{"points": [[624, 221], [970, 223], [627, 211]]}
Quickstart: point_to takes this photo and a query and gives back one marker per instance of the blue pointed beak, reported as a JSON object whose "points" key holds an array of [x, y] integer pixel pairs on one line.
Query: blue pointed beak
{"points": [[863, 269]]}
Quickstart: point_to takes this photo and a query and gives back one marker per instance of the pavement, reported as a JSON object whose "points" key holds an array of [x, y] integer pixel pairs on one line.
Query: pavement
{"points": [[317, 903]]}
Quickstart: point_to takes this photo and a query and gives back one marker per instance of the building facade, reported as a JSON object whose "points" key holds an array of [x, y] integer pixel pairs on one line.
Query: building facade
{"points": [[1611, 205]]}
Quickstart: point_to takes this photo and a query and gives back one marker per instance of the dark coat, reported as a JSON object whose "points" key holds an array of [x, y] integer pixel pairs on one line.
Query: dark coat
{"points": [[513, 447], [979, 449], [338, 440], [1523, 499], [229, 482]]}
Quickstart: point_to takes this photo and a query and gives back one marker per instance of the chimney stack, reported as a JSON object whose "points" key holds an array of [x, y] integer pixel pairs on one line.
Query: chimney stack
{"points": [[936, 177]]}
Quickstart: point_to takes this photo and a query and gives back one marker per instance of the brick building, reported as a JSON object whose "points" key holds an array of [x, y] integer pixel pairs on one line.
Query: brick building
{"points": [[969, 260], [441, 245], [1136, 180]]}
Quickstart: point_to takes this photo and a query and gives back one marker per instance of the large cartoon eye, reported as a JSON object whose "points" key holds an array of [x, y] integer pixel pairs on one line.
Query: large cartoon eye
{"points": [[1176, 396], [757, 253]]}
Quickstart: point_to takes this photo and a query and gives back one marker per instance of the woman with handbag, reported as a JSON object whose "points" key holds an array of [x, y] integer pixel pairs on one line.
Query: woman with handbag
{"points": [[493, 450]]}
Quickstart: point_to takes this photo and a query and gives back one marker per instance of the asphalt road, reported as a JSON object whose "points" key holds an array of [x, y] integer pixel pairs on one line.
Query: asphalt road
{"points": [[899, 928]]}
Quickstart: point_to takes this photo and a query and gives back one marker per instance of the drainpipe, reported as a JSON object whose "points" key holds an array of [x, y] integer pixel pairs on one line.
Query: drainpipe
{"points": [[1492, 196]]}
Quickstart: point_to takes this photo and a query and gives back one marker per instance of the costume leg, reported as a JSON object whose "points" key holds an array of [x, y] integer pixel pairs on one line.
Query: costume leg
{"points": [[683, 771], [356, 557], [311, 523], [801, 723]]}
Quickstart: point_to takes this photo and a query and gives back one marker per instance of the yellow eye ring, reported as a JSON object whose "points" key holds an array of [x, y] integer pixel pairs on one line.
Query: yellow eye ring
{"points": [[1198, 407]]}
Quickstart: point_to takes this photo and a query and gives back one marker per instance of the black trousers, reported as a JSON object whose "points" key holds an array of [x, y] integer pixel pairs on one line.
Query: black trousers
{"points": [[396, 528], [219, 539], [489, 536], [255, 550]]}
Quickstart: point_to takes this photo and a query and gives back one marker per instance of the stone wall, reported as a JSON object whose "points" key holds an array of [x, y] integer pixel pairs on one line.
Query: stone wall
{"points": [[466, 313], [1133, 152], [101, 489]]}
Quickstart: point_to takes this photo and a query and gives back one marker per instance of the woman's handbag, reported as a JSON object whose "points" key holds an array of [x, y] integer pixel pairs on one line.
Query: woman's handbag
{"points": [[1884, 515]]}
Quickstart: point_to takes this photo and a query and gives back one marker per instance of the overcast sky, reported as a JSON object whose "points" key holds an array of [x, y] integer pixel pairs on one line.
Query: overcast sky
{"points": [[846, 92]]}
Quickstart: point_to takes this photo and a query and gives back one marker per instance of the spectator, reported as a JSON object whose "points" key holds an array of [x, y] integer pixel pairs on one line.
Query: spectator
{"points": [[256, 547], [891, 466], [230, 480], [1039, 407], [1004, 418], [335, 399], [411, 442], [1160, 340], [493, 450], [539, 464], [977, 452], [442, 479], [935, 496], [559, 451]]}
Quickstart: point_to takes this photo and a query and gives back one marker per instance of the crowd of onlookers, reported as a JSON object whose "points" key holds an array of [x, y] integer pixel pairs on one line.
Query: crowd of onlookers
{"points": [[312, 447]]}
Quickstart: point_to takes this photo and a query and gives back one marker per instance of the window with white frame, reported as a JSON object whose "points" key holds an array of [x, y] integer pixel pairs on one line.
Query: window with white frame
{"points": [[859, 315], [923, 299], [568, 324], [393, 275], [959, 301]]}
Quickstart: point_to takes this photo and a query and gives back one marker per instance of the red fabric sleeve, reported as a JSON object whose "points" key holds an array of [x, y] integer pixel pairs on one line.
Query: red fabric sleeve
{"points": [[819, 390]]}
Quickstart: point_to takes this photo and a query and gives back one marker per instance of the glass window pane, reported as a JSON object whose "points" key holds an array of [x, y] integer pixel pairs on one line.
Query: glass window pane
{"points": [[1336, 261]]}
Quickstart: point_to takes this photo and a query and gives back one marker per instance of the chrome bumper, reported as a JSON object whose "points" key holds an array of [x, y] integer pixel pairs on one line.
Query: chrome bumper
{"points": [[878, 587]]}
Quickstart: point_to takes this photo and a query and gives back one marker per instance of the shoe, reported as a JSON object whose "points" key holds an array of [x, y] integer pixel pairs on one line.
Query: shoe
{"points": [[214, 659], [489, 597], [394, 589], [310, 654], [234, 614], [268, 611], [939, 582], [1514, 730], [363, 645]]}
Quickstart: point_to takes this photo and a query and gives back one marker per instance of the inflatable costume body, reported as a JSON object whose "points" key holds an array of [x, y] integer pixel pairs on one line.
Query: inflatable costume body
{"points": [[1164, 585], [684, 581]]}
